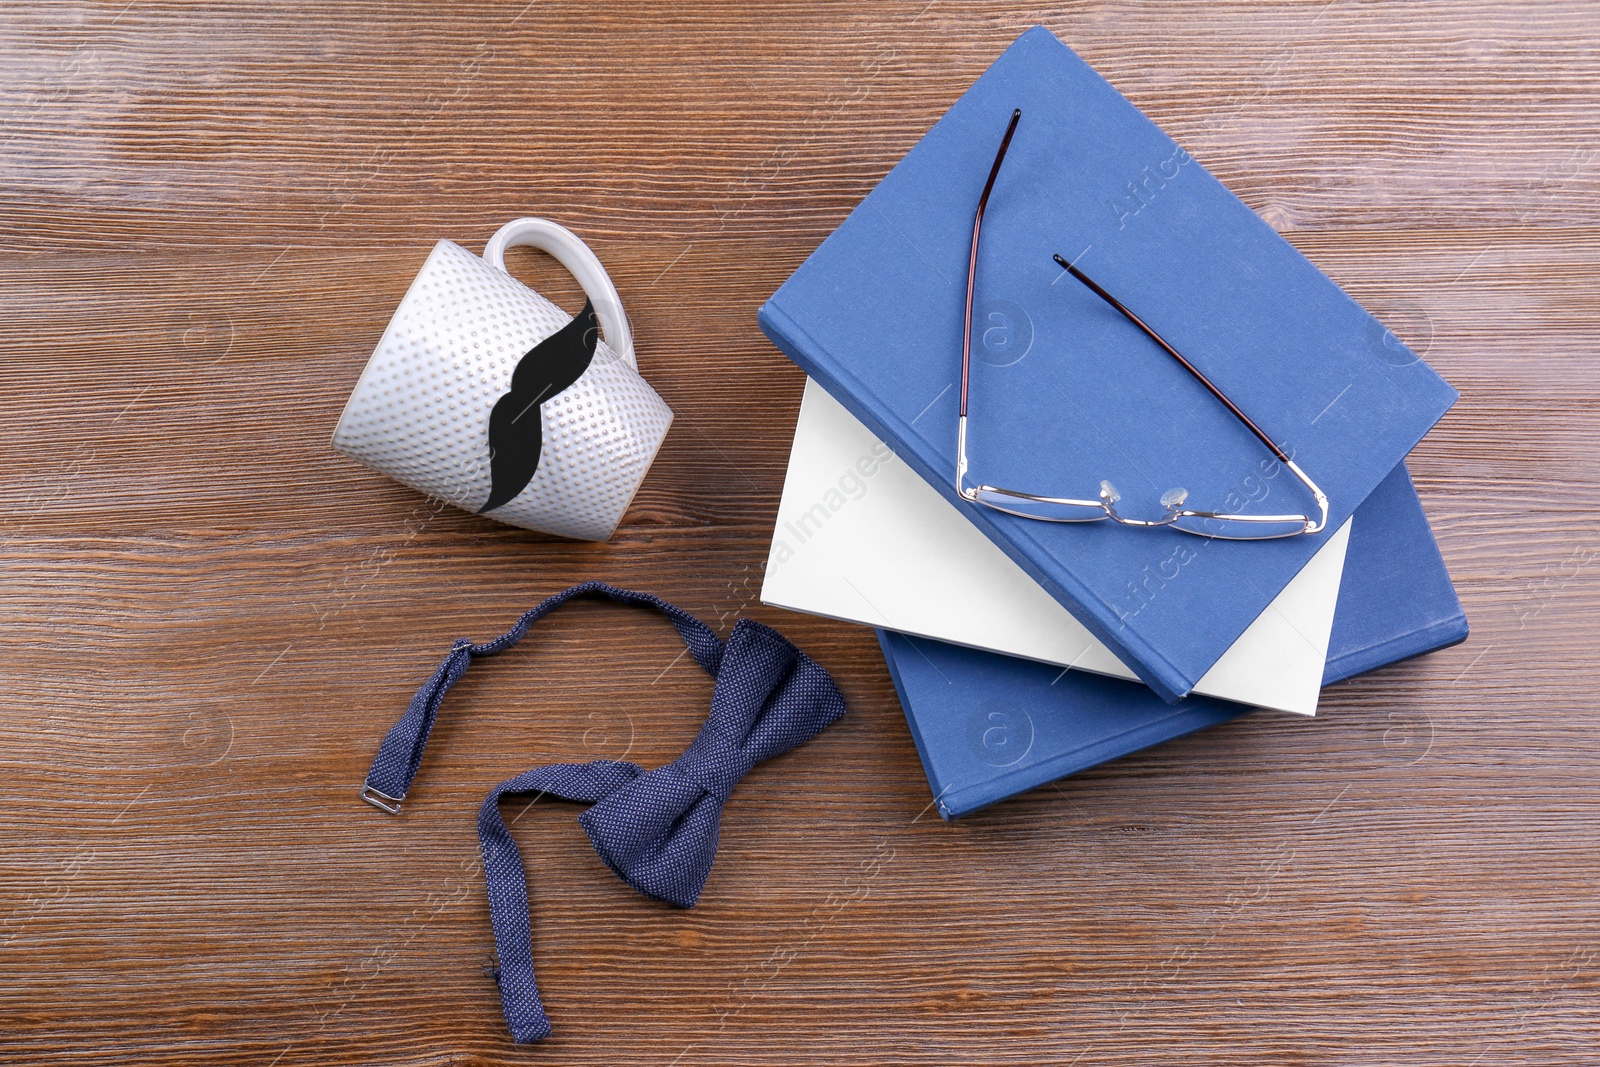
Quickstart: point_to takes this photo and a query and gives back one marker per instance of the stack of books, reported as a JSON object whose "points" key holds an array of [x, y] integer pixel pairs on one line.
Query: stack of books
{"points": [[1024, 650]]}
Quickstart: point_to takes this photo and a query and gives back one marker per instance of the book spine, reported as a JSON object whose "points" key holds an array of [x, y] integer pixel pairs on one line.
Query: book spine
{"points": [[929, 768], [1441, 634], [1155, 670]]}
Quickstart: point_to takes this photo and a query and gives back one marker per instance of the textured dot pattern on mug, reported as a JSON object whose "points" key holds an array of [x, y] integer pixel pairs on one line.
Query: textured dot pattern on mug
{"points": [[445, 360]]}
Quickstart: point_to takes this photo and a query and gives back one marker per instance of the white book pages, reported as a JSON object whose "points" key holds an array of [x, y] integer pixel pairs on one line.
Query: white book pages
{"points": [[862, 538]]}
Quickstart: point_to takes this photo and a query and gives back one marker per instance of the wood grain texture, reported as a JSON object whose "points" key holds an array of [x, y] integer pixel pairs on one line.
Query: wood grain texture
{"points": [[208, 618]]}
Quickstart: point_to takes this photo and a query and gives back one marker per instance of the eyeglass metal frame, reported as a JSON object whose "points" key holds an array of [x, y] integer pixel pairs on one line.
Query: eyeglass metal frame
{"points": [[1174, 499]]}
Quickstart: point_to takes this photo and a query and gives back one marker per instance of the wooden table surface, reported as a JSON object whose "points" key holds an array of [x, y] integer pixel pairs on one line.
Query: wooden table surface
{"points": [[208, 618]]}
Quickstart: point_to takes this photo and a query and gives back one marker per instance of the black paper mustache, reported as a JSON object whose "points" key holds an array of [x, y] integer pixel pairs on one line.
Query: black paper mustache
{"points": [[516, 426]]}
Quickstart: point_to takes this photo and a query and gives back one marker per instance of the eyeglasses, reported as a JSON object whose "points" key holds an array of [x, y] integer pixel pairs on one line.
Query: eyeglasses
{"points": [[1066, 509]]}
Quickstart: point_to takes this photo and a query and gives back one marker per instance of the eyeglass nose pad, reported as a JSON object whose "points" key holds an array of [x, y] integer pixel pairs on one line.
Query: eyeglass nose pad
{"points": [[1108, 492], [1173, 499]]}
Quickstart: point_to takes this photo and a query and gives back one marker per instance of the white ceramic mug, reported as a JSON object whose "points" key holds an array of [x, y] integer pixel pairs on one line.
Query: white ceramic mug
{"points": [[421, 412]]}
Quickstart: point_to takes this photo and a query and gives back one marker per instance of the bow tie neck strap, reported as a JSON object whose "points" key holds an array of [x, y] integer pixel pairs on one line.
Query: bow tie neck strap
{"points": [[508, 887], [400, 755]]}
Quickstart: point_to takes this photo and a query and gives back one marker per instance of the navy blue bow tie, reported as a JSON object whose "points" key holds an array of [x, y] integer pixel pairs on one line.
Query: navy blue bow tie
{"points": [[656, 829]]}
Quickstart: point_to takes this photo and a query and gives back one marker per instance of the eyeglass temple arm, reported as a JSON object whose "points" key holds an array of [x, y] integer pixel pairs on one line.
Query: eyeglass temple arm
{"points": [[1094, 287], [972, 258]]}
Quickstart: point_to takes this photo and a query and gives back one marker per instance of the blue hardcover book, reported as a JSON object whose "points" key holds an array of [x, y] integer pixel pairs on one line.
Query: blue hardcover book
{"points": [[1395, 598], [989, 726], [1065, 392]]}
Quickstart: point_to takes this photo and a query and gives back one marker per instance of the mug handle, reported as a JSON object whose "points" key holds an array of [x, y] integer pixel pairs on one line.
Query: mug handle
{"points": [[570, 251]]}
